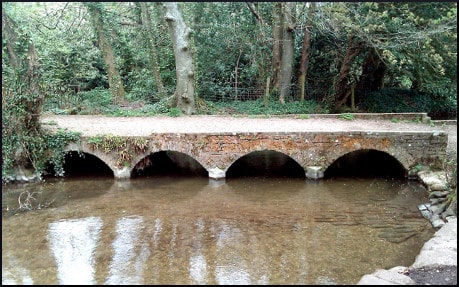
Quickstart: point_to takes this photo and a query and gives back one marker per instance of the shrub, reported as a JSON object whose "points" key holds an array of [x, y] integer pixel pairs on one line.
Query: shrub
{"points": [[395, 100]]}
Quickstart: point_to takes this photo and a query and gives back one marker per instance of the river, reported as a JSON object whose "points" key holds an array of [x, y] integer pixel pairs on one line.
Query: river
{"points": [[193, 230]]}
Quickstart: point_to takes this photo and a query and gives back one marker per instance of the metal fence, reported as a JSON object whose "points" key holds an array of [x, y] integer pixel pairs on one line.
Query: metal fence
{"points": [[252, 94]]}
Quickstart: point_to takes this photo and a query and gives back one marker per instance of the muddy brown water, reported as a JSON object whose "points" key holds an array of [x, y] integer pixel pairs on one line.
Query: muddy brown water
{"points": [[185, 230]]}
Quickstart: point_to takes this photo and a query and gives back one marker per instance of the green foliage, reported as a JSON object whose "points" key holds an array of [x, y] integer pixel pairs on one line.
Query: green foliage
{"points": [[257, 107], [303, 116], [415, 169], [30, 148], [416, 41], [392, 100], [54, 147], [229, 29], [124, 147], [174, 112], [160, 107], [347, 116]]}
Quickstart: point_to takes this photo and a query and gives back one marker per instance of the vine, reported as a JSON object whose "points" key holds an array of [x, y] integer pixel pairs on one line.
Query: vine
{"points": [[55, 143], [125, 147]]}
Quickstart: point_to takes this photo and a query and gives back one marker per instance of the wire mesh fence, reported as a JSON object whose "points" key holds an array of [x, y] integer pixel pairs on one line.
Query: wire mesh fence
{"points": [[252, 94]]}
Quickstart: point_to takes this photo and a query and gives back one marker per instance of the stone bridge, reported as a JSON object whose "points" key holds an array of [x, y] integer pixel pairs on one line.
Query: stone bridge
{"points": [[314, 151]]}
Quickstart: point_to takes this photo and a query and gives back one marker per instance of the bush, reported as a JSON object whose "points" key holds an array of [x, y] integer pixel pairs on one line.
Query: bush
{"points": [[395, 100], [274, 107]]}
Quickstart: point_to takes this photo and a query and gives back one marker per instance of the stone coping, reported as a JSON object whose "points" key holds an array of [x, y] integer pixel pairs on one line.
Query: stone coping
{"points": [[374, 116], [444, 122]]}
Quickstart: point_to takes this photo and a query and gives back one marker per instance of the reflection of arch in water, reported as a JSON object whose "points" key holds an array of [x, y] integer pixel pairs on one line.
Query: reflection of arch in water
{"points": [[264, 190], [168, 163], [267, 163], [175, 188], [366, 163], [348, 193]]}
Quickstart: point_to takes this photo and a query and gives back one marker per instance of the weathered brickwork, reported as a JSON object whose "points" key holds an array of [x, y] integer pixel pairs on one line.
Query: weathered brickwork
{"points": [[217, 152]]}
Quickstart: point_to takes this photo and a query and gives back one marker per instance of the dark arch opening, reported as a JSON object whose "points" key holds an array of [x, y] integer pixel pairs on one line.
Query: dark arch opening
{"points": [[81, 164], [266, 163], [366, 163], [167, 163]]}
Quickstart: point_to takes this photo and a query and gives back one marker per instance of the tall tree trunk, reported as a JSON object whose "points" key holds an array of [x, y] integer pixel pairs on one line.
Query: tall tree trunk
{"points": [[305, 53], [277, 45], [183, 97], [149, 32], [34, 106], [287, 52], [342, 88], [114, 79]]}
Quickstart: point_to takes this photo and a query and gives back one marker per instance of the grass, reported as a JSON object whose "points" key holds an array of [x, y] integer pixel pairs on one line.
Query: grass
{"points": [[347, 116]]}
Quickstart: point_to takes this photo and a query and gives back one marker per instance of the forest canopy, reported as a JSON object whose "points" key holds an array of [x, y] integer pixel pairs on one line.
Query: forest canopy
{"points": [[328, 53]]}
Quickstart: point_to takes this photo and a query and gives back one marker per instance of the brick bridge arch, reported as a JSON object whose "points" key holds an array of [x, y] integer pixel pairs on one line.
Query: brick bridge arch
{"points": [[105, 158]]}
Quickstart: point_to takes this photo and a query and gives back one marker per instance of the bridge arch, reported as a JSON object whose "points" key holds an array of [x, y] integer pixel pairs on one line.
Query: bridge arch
{"points": [[167, 161], [73, 149], [366, 162], [265, 162]]}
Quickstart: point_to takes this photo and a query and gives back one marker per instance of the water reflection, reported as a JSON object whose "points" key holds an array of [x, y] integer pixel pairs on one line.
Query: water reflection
{"points": [[131, 250], [73, 243], [239, 231], [198, 262]]}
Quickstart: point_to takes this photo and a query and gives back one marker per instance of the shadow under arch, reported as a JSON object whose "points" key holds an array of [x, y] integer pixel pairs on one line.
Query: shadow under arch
{"points": [[265, 163], [169, 163], [81, 164], [366, 163]]}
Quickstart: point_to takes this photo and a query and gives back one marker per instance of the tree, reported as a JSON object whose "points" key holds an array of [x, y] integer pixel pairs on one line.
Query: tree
{"points": [[402, 36], [287, 51], [305, 51], [277, 45], [26, 68], [342, 88], [149, 32], [114, 78], [183, 97], [21, 97]]}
